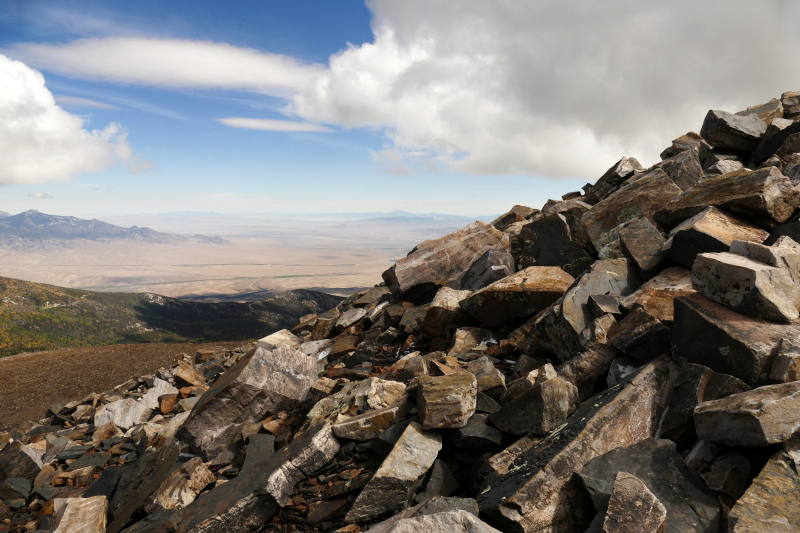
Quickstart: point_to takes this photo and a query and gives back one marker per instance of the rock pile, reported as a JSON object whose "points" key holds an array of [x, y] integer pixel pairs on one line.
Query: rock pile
{"points": [[626, 359]]}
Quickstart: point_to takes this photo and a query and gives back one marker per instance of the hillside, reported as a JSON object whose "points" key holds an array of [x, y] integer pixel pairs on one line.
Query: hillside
{"points": [[36, 317]]}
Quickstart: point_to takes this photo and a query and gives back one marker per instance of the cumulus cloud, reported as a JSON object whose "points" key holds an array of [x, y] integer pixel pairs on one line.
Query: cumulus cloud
{"points": [[42, 142], [271, 125], [553, 88], [171, 63], [40, 196]]}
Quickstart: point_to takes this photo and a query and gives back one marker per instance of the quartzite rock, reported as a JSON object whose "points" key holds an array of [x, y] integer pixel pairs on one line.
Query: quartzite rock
{"points": [[490, 380], [762, 416], [723, 167], [733, 132], [684, 169], [536, 491], [727, 342], [642, 242], [652, 191], [518, 296], [398, 476], [784, 255], [729, 475], [770, 503], [786, 366], [123, 413], [539, 409], [614, 177], [446, 401], [261, 382], [465, 339], [442, 261], [449, 522], [356, 398], [763, 197], [585, 369], [445, 312], [19, 460], [640, 335], [368, 425], [181, 487], [690, 505], [159, 388], [747, 286], [656, 295], [710, 231], [84, 515], [492, 266], [633, 508]]}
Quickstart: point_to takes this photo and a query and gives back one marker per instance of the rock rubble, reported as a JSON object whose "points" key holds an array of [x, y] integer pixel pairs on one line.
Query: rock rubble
{"points": [[625, 359]]}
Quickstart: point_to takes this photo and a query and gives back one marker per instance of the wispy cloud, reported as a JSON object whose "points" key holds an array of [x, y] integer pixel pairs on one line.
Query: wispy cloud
{"points": [[229, 201], [41, 196], [75, 101], [267, 124], [171, 63]]}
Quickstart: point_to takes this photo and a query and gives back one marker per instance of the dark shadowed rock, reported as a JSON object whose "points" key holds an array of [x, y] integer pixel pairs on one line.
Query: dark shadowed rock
{"points": [[18, 460], [762, 416], [774, 137], [518, 213], [492, 266], [614, 177], [538, 410], [633, 508], [640, 335], [684, 169], [587, 368], [686, 142], [445, 312], [557, 240], [733, 132], [729, 475], [642, 242], [656, 295]]}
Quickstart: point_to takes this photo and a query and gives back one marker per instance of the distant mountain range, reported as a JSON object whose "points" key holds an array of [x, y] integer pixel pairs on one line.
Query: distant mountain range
{"points": [[35, 227], [35, 316]]}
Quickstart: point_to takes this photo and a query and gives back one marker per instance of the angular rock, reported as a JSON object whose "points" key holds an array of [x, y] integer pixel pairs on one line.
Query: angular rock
{"points": [[477, 434], [398, 476], [733, 132], [723, 167], [789, 147], [556, 241], [642, 242], [159, 388], [368, 425], [684, 169], [356, 398], [18, 460], [791, 105], [729, 475], [602, 304], [445, 312], [261, 382], [762, 416], [375, 294], [766, 112], [656, 295], [181, 486], [641, 335], [633, 508], [465, 339], [587, 368], [764, 197], [774, 137], [747, 286], [770, 503], [123, 413], [490, 380], [727, 342], [447, 522], [350, 317], [441, 261], [15, 488], [279, 338], [786, 366], [518, 213], [492, 266], [537, 492], [84, 515], [652, 191], [446, 401], [785, 257], [518, 296], [440, 483], [539, 409], [710, 231], [614, 177], [189, 373], [690, 505]]}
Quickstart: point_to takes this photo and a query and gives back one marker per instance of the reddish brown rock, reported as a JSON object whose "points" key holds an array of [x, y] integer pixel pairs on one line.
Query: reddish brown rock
{"points": [[656, 296], [446, 401]]}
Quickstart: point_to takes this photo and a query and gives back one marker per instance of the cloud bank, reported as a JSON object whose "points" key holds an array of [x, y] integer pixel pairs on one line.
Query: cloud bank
{"points": [[557, 89], [42, 142]]}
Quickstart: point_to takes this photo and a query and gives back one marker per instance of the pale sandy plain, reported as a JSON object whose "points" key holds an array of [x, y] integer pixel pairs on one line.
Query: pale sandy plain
{"points": [[265, 256]]}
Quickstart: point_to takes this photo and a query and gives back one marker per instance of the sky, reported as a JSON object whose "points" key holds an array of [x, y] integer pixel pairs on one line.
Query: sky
{"points": [[451, 106]]}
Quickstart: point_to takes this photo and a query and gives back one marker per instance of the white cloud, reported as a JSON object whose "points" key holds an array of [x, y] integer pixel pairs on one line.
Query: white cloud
{"points": [[171, 63], [76, 101], [42, 142], [41, 196], [271, 125], [560, 89]]}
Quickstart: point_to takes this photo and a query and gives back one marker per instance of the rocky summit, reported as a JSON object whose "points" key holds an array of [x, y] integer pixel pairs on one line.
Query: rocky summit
{"points": [[625, 359]]}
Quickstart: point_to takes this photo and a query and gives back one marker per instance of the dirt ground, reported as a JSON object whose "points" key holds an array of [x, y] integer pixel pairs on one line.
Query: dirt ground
{"points": [[31, 382]]}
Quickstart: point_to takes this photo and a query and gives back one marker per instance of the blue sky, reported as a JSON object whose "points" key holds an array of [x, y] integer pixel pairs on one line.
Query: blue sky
{"points": [[453, 107]]}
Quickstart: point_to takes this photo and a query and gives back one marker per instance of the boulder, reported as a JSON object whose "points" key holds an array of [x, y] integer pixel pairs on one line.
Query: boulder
{"points": [[642, 242], [733, 132], [557, 240], [398, 476], [656, 296], [729, 475], [181, 486], [518, 213], [518, 296], [477, 434], [763, 197], [445, 313], [368, 425], [262, 382], [356, 398], [770, 503], [633, 508], [710, 231], [747, 286], [766, 112], [786, 365], [684, 169], [448, 522], [652, 191], [686, 142], [446, 401], [492, 266], [587, 368], [791, 105], [532, 487], [690, 505], [784, 256], [762, 416], [640, 335], [83, 515], [123, 413], [490, 380], [279, 338], [18, 460], [441, 261], [775, 136], [614, 177], [727, 342]]}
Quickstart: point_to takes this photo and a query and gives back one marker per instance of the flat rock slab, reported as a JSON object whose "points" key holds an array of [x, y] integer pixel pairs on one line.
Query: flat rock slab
{"points": [[398, 476], [727, 342], [446, 401], [763, 197], [448, 522], [690, 505], [722, 129], [533, 487], [710, 231], [518, 296], [84, 515], [123, 413], [656, 296], [762, 416], [747, 286], [443, 260], [633, 508], [261, 382], [770, 503]]}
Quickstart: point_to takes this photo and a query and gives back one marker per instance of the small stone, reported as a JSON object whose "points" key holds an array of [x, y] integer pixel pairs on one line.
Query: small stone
{"points": [[189, 373], [657, 295], [465, 339], [446, 401], [490, 380], [602, 304], [733, 132], [350, 317], [633, 508], [729, 475]]}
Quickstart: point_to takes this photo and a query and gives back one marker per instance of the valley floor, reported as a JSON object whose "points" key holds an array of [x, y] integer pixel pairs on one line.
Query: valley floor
{"points": [[31, 382]]}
